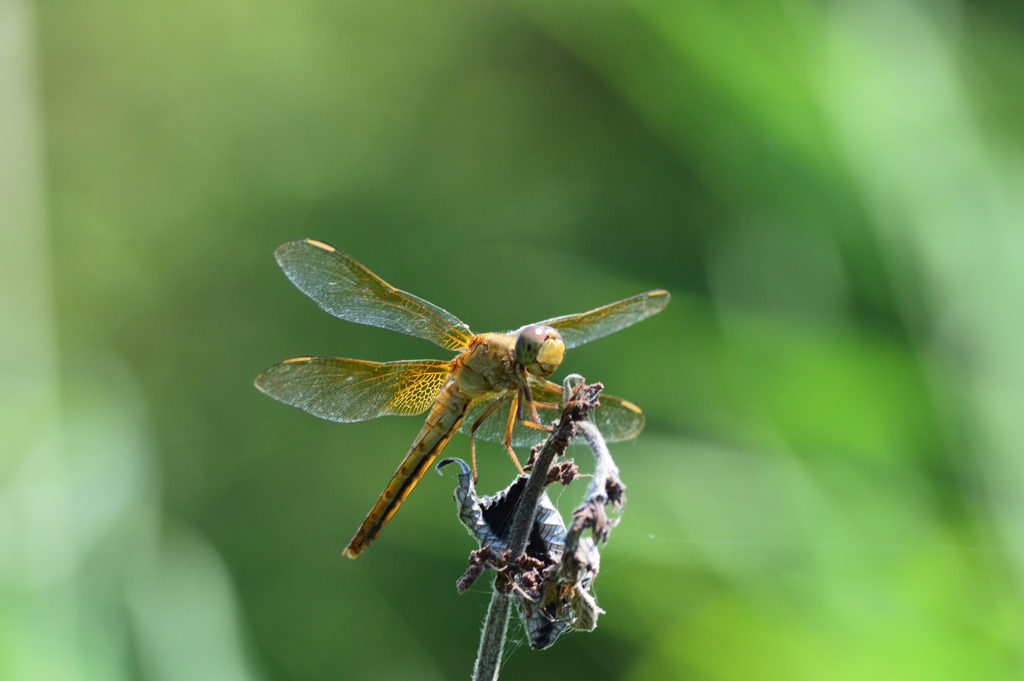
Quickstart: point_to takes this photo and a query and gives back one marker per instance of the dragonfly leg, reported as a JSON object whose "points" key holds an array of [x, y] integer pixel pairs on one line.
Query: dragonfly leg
{"points": [[534, 420], [538, 426], [476, 424], [526, 399], [472, 456], [512, 413], [534, 416]]}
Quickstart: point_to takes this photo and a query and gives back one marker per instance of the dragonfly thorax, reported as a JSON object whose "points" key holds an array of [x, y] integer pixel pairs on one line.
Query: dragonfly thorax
{"points": [[486, 366]]}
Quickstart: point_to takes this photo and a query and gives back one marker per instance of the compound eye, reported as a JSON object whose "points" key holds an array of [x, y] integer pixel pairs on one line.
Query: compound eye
{"points": [[528, 343]]}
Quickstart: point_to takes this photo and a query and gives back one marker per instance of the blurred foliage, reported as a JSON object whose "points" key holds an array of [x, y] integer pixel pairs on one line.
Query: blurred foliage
{"points": [[830, 483]]}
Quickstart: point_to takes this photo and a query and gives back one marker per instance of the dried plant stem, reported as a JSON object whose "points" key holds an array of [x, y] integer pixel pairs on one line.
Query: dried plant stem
{"points": [[492, 638], [580, 400]]}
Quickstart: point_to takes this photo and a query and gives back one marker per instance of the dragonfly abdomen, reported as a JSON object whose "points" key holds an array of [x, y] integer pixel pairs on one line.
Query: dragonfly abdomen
{"points": [[444, 419]]}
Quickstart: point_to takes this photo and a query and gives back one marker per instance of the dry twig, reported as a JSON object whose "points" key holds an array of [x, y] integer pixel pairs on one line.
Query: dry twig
{"points": [[547, 570]]}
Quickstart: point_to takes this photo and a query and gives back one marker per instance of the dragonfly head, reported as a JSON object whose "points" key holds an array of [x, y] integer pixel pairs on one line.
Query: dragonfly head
{"points": [[539, 349]]}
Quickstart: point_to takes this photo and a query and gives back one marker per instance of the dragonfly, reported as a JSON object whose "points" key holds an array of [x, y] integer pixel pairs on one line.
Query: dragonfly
{"points": [[495, 389]]}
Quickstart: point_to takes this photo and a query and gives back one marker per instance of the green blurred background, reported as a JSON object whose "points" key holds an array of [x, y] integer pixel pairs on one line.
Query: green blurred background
{"points": [[830, 482]]}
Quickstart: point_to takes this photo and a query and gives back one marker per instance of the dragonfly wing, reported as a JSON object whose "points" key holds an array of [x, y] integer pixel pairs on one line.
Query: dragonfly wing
{"points": [[346, 289], [347, 390], [577, 329], [616, 418]]}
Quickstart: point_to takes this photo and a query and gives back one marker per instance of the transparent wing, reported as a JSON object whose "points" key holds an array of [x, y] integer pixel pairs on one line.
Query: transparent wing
{"points": [[617, 418], [346, 289], [577, 329], [349, 390]]}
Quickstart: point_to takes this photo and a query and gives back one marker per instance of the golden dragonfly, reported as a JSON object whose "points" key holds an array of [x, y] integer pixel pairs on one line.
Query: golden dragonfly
{"points": [[464, 393]]}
